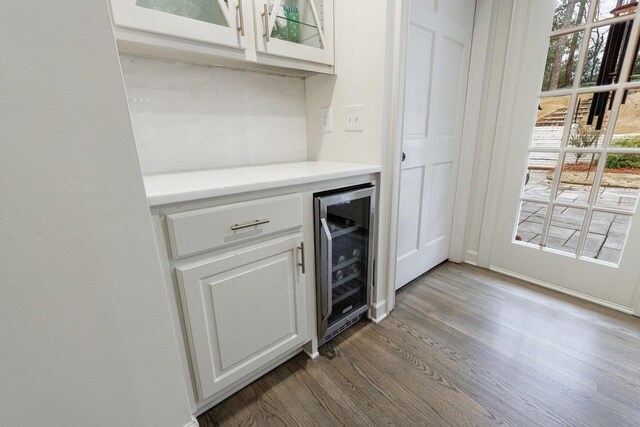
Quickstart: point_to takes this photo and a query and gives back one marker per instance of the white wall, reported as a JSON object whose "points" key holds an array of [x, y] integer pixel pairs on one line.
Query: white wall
{"points": [[364, 47], [85, 329], [188, 117], [361, 35]]}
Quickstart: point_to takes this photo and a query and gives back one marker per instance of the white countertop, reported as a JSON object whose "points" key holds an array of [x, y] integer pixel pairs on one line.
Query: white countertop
{"points": [[187, 186]]}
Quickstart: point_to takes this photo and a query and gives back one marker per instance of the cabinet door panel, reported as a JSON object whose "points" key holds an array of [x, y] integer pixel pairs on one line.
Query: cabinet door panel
{"points": [[300, 29], [211, 21], [243, 310]]}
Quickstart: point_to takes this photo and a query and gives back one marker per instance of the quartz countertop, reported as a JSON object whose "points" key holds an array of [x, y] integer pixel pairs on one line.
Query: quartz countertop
{"points": [[195, 185]]}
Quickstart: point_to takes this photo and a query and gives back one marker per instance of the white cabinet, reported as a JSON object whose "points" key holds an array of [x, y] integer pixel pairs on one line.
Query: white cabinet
{"points": [[243, 310], [301, 29], [292, 34], [211, 21]]}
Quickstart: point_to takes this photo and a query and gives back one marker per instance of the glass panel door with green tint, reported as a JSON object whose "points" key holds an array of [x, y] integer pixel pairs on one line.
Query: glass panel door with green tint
{"points": [[296, 21], [202, 10], [218, 22], [300, 29]]}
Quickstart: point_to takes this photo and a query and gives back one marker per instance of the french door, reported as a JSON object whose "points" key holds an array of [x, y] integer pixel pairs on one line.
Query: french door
{"points": [[568, 212]]}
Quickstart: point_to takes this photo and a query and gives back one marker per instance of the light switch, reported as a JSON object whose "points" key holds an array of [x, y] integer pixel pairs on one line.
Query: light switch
{"points": [[355, 118], [325, 120]]}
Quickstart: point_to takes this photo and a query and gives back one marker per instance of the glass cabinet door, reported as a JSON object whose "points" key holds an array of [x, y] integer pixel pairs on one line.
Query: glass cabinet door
{"points": [[301, 29], [213, 21]]}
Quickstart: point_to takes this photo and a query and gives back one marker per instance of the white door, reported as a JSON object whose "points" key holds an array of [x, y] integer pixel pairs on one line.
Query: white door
{"points": [[212, 21], [243, 310], [437, 66], [301, 29], [568, 212]]}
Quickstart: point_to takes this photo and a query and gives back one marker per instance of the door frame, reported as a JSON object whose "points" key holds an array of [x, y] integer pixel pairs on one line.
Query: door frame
{"points": [[392, 157]]}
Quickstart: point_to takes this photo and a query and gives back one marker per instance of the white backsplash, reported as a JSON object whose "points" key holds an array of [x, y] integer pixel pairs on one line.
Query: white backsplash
{"points": [[188, 117]]}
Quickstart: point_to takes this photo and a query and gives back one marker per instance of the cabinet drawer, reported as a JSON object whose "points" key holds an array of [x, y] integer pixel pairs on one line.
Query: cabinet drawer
{"points": [[206, 229]]}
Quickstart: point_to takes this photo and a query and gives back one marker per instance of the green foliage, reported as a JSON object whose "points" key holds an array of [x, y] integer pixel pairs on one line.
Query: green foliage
{"points": [[619, 161]]}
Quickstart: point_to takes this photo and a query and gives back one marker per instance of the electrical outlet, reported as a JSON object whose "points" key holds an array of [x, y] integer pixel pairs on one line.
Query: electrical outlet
{"points": [[325, 120], [355, 118]]}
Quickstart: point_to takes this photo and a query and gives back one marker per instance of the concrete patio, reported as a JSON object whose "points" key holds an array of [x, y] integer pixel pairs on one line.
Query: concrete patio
{"points": [[607, 231]]}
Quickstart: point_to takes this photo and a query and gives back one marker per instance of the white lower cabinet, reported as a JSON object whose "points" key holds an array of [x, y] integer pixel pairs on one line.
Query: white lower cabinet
{"points": [[243, 310]]}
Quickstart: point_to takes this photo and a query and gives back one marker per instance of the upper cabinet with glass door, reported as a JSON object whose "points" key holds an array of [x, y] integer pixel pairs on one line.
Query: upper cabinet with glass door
{"points": [[301, 29], [219, 22]]}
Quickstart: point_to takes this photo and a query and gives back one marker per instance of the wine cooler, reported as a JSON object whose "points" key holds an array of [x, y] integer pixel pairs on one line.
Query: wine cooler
{"points": [[344, 225]]}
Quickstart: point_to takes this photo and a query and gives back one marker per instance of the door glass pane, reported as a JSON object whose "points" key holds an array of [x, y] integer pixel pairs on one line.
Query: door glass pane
{"points": [[605, 54], [620, 182], [200, 10], [635, 71], [590, 119], [626, 134], [611, 8], [348, 223], [296, 22], [564, 232], [570, 13], [607, 234], [576, 181], [552, 113], [530, 222], [539, 175], [562, 60]]}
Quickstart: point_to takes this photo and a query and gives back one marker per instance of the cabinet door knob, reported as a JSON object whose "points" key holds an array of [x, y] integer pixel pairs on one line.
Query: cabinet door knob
{"points": [[249, 224], [404, 156]]}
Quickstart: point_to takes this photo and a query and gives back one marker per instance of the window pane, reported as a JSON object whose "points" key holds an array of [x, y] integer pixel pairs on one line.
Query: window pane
{"points": [[589, 120], [635, 72], [606, 237], [549, 127], [562, 59], [564, 232], [610, 8], [539, 178], [576, 181], [570, 13], [620, 182], [530, 222], [626, 134], [605, 54]]}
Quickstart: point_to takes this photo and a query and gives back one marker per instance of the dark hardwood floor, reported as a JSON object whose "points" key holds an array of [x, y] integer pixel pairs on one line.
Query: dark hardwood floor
{"points": [[464, 346]]}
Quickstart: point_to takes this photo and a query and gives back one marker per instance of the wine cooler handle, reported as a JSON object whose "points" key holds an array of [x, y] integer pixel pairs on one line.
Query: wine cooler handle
{"points": [[326, 276]]}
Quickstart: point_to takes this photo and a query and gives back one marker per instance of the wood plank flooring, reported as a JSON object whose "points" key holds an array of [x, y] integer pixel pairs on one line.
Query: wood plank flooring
{"points": [[464, 346]]}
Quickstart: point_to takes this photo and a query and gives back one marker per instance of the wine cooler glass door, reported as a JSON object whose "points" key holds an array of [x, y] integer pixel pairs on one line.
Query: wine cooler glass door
{"points": [[346, 225]]}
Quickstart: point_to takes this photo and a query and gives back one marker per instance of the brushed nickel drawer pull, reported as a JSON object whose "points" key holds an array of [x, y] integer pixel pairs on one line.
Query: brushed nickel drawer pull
{"points": [[249, 224]]}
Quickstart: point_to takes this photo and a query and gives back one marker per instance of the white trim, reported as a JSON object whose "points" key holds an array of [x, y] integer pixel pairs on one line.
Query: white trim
{"points": [[392, 159], [472, 123], [580, 295], [193, 422], [378, 312], [313, 355], [507, 101], [472, 257]]}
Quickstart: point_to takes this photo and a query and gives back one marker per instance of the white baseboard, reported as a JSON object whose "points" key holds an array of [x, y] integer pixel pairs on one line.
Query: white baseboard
{"points": [[193, 422], [378, 311], [563, 290], [471, 258], [313, 355]]}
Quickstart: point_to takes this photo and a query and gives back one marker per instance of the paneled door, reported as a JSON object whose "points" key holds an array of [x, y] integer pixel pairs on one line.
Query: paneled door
{"points": [[568, 213], [437, 66], [213, 21]]}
